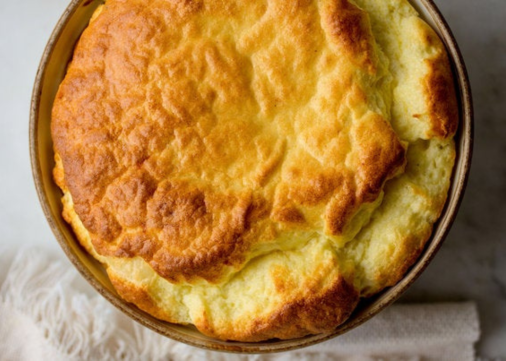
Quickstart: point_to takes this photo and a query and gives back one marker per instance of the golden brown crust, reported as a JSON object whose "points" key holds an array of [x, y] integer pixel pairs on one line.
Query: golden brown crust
{"points": [[121, 134]]}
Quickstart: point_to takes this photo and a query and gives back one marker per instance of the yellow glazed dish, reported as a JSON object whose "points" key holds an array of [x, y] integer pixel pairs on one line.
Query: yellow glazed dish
{"points": [[255, 169]]}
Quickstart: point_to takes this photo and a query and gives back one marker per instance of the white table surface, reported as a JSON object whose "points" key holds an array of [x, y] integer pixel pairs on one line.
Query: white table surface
{"points": [[471, 265]]}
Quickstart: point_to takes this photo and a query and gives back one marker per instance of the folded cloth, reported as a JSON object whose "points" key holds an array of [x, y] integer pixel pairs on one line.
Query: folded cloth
{"points": [[47, 313]]}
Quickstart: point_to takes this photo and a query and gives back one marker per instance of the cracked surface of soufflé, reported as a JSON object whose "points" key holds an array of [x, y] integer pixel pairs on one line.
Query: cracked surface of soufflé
{"points": [[254, 168]]}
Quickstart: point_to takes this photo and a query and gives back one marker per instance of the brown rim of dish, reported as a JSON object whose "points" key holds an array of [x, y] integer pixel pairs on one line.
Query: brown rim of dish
{"points": [[464, 140]]}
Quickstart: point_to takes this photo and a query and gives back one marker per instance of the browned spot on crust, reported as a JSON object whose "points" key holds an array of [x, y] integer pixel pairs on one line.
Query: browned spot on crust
{"points": [[199, 231], [137, 244], [381, 155], [351, 31], [439, 88], [288, 214], [341, 208], [318, 187], [440, 94]]}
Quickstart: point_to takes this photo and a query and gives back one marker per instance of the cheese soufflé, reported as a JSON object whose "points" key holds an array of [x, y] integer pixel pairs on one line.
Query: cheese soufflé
{"points": [[255, 168]]}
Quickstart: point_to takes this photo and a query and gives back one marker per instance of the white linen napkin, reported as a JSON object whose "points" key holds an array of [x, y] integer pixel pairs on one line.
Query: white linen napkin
{"points": [[47, 312]]}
